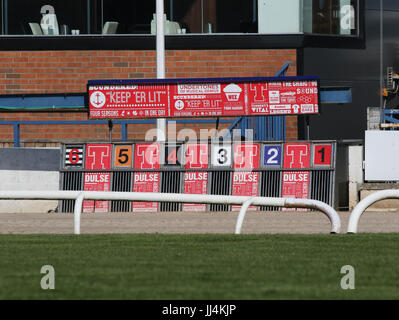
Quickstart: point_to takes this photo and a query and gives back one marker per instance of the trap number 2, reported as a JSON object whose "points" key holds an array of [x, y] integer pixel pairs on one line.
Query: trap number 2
{"points": [[272, 155]]}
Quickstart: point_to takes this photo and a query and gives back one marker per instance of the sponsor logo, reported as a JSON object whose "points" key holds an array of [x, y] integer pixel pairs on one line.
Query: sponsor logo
{"points": [[260, 110], [307, 91], [274, 96], [127, 87], [198, 88], [144, 177], [299, 84], [195, 176], [296, 177], [96, 178], [97, 99], [232, 92], [307, 108], [179, 105], [290, 93], [281, 107], [245, 177], [275, 84]]}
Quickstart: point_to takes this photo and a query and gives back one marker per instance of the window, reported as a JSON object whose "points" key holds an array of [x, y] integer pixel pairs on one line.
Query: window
{"points": [[21, 13], [132, 17], [329, 17], [337, 17], [216, 16], [333, 17]]}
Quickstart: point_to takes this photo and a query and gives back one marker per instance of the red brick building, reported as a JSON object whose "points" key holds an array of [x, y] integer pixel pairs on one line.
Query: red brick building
{"points": [[243, 43], [48, 72]]}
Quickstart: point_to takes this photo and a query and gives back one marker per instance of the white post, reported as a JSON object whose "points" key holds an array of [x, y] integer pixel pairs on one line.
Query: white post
{"points": [[241, 215], [160, 36], [77, 212]]}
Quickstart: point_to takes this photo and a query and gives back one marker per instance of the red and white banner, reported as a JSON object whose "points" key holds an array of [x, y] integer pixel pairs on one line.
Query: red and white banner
{"points": [[145, 182], [246, 156], [296, 185], [283, 97], [297, 156], [96, 181], [196, 156], [195, 183], [146, 156], [245, 184], [98, 156], [204, 99]]}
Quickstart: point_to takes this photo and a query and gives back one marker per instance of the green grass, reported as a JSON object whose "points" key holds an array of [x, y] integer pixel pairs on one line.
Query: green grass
{"points": [[199, 266]]}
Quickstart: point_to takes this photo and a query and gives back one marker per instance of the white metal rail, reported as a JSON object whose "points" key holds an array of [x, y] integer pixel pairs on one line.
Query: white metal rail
{"points": [[367, 202], [80, 196]]}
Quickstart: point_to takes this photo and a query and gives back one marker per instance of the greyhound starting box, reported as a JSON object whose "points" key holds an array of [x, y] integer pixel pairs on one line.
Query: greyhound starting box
{"points": [[302, 169]]}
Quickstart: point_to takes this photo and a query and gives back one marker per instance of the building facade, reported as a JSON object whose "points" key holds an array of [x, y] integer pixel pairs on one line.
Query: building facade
{"points": [[55, 48]]}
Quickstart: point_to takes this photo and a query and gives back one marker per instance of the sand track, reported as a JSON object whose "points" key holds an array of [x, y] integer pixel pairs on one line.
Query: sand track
{"points": [[187, 222]]}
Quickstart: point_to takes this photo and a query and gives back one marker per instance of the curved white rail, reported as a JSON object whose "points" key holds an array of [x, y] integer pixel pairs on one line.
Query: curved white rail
{"points": [[79, 196], [77, 212], [367, 202], [332, 215], [241, 215]]}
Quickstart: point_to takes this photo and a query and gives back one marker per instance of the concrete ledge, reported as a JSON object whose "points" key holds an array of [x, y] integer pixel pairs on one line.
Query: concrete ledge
{"points": [[369, 188], [28, 180]]}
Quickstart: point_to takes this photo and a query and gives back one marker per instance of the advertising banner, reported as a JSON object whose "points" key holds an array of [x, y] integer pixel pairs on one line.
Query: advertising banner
{"points": [[98, 157], [146, 156], [96, 181], [246, 156], [145, 182], [296, 185], [297, 156], [203, 97], [195, 183], [196, 157], [245, 184]]}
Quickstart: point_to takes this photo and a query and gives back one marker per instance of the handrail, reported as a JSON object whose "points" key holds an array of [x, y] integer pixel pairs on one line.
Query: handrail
{"points": [[77, 212], [241, 215], [79, 196], [367, 202], [281, 73], [17, 123]]}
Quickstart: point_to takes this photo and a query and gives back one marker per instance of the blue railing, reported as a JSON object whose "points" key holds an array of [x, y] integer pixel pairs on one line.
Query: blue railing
{"points": [[389, 114], [267, 128], [17, 124]]}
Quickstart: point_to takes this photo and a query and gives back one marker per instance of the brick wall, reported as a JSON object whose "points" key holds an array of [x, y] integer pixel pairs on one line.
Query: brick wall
{"points": [[25, 72]]}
